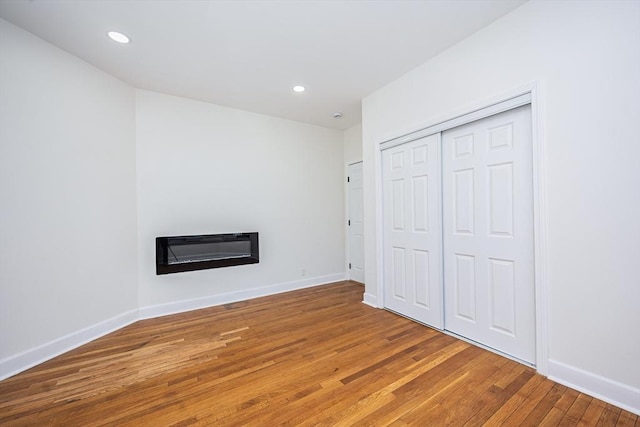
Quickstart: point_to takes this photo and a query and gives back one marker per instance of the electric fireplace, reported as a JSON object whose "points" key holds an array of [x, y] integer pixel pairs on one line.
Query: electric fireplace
{"points": [[187, 253]]}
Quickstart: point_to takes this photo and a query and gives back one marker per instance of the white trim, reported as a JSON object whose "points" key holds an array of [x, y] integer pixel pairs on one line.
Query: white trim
{"points": [[379, 226], [370, 300], [540, 228], [17, 363], [528, 94], [152, 311], [472, 116], [441, 228], [460, 115], [347, 273], [616, 393]]}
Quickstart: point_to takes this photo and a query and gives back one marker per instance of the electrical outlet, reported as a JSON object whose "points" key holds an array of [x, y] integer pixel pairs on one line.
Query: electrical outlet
{"points": [[303, 272]]}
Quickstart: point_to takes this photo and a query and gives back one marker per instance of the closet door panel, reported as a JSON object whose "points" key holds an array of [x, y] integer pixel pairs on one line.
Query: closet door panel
{"points": [[488, 260], [412, 230]]}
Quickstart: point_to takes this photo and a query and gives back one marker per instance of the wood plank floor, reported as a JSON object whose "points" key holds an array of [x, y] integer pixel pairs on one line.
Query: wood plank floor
{"points": [[312, 357]]}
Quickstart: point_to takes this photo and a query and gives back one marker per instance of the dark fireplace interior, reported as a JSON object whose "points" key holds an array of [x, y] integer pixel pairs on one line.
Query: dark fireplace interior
{"points": [[187, 253]]}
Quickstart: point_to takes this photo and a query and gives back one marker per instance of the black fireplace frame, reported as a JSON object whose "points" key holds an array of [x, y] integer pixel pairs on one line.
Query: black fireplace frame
{"points": [[164, 244]]}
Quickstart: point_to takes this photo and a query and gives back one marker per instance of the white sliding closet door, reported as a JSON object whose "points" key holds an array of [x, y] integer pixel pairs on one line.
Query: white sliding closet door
{"points": [[488, 232], [412, 230]]}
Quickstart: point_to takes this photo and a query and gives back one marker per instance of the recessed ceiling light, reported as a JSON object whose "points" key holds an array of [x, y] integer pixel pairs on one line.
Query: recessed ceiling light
{"points": [[118, 37], [299, 89]]}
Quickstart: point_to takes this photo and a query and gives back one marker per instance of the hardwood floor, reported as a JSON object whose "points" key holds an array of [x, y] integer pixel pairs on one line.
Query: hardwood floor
{"points": [[312, 357]]}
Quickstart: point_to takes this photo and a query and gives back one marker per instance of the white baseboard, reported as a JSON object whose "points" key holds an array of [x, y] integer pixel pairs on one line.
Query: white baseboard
{"points": [[21, 362], [610, 391], [213, 300], [30, 358], [371, 300]]}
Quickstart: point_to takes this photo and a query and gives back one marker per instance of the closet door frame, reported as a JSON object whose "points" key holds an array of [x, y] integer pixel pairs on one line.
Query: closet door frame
{"points": [[529, 94]]}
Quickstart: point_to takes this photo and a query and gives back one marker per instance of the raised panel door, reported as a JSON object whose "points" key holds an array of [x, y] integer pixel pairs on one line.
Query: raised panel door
{"points": [[412, 237], [488, 232]]}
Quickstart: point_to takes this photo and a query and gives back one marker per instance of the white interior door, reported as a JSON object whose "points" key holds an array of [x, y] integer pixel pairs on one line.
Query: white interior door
{"points": [[412, 230], [488, 232], [355, 224]]}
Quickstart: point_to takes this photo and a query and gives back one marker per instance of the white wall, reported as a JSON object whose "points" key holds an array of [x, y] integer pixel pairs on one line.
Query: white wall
{"points": [[69, 236], [204, 168], [353, 144], [68, 256], [586, 56]]}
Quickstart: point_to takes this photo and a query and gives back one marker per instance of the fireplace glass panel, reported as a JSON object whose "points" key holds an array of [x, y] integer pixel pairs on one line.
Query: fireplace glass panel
{"points": [[179, 254], [185, 253]]}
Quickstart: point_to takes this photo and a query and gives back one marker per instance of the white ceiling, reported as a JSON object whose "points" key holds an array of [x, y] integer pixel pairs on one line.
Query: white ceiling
{"points": [[249, 54]]}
